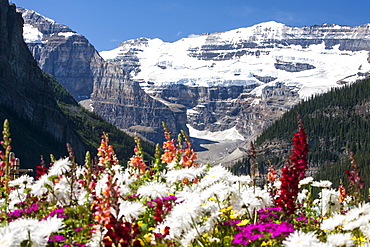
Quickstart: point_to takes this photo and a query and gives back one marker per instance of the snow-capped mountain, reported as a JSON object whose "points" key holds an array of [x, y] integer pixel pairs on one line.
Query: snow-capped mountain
{"points": [[225, 88], [311, 58], [236, 83]]}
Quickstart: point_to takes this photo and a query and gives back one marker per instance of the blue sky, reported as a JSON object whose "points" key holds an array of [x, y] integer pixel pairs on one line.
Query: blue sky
{"points": [[106, 23]]}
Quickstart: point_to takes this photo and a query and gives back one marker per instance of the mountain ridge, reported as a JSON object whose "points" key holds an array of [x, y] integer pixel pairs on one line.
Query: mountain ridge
{"points": [[74, 62], [43, 116], [240, 80]]}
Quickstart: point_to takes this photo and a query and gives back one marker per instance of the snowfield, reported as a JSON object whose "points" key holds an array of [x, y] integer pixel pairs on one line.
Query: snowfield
{"points": [[163, 63]]}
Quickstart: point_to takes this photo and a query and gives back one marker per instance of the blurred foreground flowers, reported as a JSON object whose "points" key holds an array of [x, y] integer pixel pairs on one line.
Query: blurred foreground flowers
{"points": [[174, 201]]}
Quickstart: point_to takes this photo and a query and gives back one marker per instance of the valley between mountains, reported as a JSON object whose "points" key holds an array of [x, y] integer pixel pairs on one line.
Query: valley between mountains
{"points": [[222, 88]]}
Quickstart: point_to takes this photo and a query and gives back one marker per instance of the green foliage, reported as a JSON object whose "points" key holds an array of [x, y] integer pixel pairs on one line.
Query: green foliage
{"points": [[62, 95]]}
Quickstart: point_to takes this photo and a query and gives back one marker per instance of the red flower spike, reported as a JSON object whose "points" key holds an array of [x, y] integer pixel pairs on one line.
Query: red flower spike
{"points": [[293, 172]]}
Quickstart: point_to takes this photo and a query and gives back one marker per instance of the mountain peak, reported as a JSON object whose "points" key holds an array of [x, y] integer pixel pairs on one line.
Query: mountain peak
{"points": [[269, 24], [44, 24]]}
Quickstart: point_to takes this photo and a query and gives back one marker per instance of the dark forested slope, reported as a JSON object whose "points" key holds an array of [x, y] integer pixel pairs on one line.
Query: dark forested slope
{"points": [[337, 123]]}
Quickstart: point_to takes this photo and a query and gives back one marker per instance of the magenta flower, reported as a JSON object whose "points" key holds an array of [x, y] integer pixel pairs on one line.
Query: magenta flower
{"points": [[79, 228], [56, 238], [262, 231]]}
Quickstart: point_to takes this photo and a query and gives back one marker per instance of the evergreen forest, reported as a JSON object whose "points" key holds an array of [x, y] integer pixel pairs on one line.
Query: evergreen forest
{"points": [[336, 123]]}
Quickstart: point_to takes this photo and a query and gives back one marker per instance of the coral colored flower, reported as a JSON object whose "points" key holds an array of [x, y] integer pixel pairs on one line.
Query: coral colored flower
{"points": [[137, 161]]}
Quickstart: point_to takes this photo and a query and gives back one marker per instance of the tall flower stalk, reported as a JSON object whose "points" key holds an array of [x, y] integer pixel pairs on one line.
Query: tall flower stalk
{"points": [[293, 172], [355, 183], [5, 163]]}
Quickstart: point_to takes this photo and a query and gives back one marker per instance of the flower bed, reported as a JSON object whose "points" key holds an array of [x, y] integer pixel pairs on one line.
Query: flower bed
{"points": [[174, 201]]}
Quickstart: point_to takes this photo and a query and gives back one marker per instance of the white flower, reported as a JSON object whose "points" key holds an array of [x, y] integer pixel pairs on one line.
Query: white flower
{"points": [[10, 237], [189, 237], [80, 171], [219, 190], [129, 210], [215, 174], [301, 239], [190, 173], [331, 223], [23, 181], [38, 188], [361, 221], [97, 237], [101, 184], [62, 191], [242, 179], [302, 196], [60, 166], [211, 221], [124, 190], [16, 196], [305, 181], [187, 211], [43, 230], [340, 239], [329, 201], [256, 198], [350, 221], [153, 190], [182, 218], [366, 230], [355, 213], [277, 184], [322, 184], [23, 227]]}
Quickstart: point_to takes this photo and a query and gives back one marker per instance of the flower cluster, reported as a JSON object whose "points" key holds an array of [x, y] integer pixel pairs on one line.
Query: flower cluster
{"points": [[176, 202]]}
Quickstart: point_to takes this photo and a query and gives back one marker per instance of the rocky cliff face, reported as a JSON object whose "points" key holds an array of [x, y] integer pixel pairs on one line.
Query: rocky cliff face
{"points": [[25, 91], [126, 105], [61, 52], [74, 62]]}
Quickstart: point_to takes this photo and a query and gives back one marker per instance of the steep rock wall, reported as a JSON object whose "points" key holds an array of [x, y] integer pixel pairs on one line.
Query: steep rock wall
{"points": [[74, 62], [23, 87]]}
